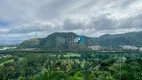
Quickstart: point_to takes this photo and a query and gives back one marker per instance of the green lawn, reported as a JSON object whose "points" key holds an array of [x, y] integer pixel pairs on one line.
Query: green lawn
{"points": [[11, 60]]}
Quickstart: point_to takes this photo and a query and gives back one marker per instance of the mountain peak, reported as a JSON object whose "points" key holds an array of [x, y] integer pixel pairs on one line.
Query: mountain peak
{"points": [[59, 41], [67, 41]]}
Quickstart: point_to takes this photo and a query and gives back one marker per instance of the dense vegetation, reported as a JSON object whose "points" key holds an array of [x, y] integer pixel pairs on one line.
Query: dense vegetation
{"points": [[71, 66]]}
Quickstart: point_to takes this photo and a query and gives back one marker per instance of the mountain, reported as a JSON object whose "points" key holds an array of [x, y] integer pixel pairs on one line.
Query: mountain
{"points": [[59, 41], [72, 41], [31, 43], [131, 38]]}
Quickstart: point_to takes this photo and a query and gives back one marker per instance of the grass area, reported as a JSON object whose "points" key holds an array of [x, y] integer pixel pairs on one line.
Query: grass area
{"points": [[72, 55], [21, 59], [11, 60]]}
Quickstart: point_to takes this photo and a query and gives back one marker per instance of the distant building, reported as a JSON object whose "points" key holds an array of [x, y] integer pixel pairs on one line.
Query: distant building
{"points": [[28, 49], [5, 48], [140, 49], [97, 47], [128, 47]]}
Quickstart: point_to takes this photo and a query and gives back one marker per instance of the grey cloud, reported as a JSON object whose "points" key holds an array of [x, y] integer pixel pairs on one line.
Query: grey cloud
{"points": [[121, 3], [137, 21], [67, 13], [34, 27], [70, 24], [102, 23], [131, 22], [55, 8]]}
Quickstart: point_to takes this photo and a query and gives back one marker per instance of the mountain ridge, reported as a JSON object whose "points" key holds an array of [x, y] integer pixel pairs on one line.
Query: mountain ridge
{"points": [[107, 40]]}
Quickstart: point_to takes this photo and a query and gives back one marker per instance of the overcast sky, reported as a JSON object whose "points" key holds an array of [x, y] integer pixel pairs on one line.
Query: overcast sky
{"points": [[24, 19]]}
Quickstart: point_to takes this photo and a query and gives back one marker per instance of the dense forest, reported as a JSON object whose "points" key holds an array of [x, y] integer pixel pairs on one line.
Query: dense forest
{"points": [[71, 66]]}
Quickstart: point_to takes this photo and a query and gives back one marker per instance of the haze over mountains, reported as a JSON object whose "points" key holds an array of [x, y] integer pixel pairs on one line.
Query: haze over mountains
{"points": [[65, 41]]}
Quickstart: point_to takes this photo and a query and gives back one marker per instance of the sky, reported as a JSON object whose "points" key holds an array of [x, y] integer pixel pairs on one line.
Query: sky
{"points": [[25, 19]]}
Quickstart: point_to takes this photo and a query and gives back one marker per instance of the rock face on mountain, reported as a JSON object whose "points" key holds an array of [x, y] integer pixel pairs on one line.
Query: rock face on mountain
{"points": [[71, 41], [59, 41]]}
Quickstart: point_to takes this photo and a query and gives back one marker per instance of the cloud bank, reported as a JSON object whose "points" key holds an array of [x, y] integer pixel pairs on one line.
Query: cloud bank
{"points": [[24, 19]]}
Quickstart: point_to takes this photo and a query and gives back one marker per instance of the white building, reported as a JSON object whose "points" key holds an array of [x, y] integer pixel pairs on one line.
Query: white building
{"points": [[97, 47], [140, 49], [129, 47]]}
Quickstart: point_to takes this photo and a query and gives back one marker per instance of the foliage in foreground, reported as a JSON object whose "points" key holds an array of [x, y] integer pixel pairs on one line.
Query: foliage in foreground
{"points": [[38, 66]]}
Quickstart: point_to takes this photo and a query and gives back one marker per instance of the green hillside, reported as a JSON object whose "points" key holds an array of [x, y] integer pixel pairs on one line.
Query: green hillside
{"points": [[66, 41]]}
